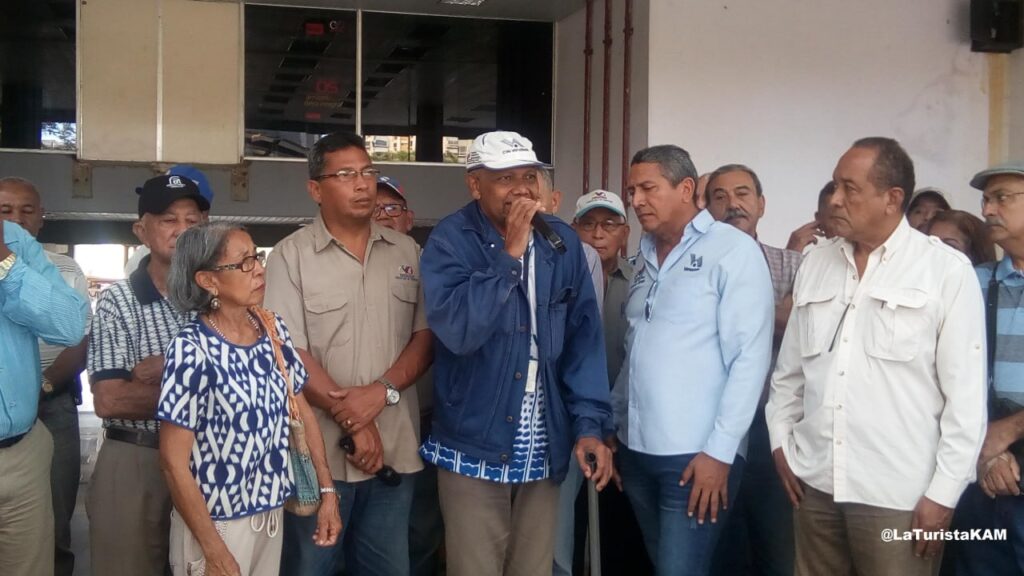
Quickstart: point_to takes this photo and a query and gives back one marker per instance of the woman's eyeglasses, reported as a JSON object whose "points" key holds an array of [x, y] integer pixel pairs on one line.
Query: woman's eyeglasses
{"points": [[247, 264]]}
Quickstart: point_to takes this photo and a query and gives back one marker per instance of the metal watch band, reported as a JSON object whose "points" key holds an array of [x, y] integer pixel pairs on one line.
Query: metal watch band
{"points": [[6, 264], [328, 490]]}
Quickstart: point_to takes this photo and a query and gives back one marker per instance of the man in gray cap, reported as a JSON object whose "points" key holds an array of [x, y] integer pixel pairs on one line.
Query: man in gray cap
{"points": [[994, 501], [519, 368]]}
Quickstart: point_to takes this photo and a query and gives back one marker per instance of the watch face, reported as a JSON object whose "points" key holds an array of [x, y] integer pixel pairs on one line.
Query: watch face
{"points": [[393, 396]]}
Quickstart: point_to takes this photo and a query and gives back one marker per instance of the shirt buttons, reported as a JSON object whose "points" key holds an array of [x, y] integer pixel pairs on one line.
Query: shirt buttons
{"points": [[504, 457], [842, 372], [508, 419], [854, 276], [853, 306], [519, 375], [839, 406], [839, 442], [845, 339]]}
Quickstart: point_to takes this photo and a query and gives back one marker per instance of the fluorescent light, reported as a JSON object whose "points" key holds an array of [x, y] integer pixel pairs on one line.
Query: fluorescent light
{"points": [[462, 2]]}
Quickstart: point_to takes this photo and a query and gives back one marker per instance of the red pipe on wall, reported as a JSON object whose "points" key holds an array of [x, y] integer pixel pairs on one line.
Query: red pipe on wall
{"points": [[588, 52], [607, 92], [627, 68]]}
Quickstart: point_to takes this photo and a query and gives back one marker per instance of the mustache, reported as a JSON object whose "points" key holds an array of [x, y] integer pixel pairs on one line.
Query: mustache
{"points": [[994, 221], [733, 213]]}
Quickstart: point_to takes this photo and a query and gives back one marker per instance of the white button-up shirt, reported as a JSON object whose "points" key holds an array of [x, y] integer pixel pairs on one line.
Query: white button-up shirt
{"points": [[879, 393]]}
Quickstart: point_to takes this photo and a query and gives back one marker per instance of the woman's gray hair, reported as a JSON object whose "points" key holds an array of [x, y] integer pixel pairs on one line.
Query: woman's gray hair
{"points": [[198, 248]]}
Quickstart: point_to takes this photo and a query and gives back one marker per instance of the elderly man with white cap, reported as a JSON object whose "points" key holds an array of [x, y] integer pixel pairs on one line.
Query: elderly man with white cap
{"points": [[519, 369]]}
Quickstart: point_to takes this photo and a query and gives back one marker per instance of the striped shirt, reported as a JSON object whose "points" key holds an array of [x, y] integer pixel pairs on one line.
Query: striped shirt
{"points": [[529, 461], [133, 321], [73, 276], [782, 264], [1009, 365]]}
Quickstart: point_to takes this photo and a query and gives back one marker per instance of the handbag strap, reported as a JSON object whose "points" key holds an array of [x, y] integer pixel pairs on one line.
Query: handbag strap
{"points": [[991, 317], [267, 320]]}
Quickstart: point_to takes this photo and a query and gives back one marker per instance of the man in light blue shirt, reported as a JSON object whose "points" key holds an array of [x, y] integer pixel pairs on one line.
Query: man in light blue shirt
{"points": [[698, 346], [34, 303]]}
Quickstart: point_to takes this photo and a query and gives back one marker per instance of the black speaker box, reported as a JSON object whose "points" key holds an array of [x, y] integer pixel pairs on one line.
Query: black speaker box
{"points": [[996, 25]]}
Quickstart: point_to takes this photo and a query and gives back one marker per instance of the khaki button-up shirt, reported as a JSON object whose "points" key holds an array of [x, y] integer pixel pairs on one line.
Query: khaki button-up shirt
{"points": [[355, 318]]}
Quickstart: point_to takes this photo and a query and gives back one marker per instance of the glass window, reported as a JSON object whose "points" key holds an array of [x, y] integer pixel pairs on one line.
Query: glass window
{"points": [[431, 84], [37, 74], [300, 70]]}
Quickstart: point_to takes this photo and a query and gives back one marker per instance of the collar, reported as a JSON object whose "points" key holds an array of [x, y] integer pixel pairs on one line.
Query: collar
{"points": [[695, 228], [322, 237], [142, 284], [892, 244], [623, 270], [1005, 270]]}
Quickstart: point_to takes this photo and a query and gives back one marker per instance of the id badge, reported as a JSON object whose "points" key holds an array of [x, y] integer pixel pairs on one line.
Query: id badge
{"points": [[531, 376]]}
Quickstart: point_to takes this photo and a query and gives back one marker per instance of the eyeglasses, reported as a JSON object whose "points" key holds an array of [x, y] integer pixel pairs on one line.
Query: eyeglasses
{"points": [[649, 302], [348, 174], [609, 226], [392, 210], [246, 265], [1000, 198]]}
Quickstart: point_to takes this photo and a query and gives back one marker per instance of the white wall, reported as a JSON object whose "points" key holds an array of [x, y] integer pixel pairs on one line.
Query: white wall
{"points": [[786, 86]]}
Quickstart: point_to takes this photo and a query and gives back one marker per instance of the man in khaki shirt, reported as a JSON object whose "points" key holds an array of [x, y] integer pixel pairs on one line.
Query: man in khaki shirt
{"points": [[349, 291]]}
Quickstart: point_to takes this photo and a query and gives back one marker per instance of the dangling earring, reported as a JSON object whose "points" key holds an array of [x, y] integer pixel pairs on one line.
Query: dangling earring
{"points": [[215, 303]]}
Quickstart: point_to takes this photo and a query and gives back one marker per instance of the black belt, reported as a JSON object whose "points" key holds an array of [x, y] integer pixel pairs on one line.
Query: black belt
{"points": [[8, 442], [143, 438]]}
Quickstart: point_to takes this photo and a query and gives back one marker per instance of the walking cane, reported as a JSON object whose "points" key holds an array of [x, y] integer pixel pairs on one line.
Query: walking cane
{"points": [[592, 511]]}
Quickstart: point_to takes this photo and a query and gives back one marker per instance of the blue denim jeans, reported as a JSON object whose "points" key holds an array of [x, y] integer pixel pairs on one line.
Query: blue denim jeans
{"points": [[757, 538], [995, 557], [375, 533], [677, 544]]}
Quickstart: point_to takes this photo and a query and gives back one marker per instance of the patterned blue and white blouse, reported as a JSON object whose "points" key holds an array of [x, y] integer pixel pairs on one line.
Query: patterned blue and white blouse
{"points": [[235, 401]]}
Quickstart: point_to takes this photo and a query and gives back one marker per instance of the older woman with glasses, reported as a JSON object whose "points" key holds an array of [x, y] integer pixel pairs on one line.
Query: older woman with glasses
{"points": [[223, 406]]}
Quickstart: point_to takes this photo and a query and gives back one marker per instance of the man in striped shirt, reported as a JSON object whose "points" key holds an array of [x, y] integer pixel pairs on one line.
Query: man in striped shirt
{"points": [[61, 390], [994, 501], [128, 503]]}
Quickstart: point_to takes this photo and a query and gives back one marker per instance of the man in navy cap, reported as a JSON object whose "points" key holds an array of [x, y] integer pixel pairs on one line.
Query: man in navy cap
{"points": [[392, 209], [192, 173], [128, 503]]}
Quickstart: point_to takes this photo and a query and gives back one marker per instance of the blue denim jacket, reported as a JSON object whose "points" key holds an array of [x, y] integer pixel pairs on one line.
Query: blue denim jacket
{"points": [[478, 310]]}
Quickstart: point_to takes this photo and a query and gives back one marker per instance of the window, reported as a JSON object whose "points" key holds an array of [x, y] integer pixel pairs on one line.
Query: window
{"points": [[429, 85], [300, 70], [37, 74]]}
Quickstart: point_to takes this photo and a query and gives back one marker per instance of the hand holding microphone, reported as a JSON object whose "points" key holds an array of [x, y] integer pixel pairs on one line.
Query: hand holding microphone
{"points": [[524, 216]]}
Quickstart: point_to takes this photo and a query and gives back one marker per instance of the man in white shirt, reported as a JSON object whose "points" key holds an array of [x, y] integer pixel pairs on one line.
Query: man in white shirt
{"points": [[877, 406]]}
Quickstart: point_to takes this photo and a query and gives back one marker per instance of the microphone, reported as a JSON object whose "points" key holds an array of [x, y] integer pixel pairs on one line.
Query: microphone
{"points": [[540, 225], [386, 474]]}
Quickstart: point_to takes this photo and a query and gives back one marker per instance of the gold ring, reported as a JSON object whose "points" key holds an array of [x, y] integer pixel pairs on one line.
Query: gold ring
{"points": [[362, 460], [348, 423]]}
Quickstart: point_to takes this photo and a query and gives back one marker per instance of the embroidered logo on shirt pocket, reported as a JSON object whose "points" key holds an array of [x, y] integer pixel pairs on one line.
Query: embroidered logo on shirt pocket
{"points": [[897, 321]]}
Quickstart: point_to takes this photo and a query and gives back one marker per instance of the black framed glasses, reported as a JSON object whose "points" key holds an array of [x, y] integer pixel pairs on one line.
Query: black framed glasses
{"points": [[348, 174], [609, 226], [392, 210], [247, 264]]}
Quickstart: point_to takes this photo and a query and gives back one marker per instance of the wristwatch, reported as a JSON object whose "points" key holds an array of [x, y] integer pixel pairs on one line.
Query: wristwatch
{"points": [[328, 490], [47, 385], [6, 264], [393, 395]]}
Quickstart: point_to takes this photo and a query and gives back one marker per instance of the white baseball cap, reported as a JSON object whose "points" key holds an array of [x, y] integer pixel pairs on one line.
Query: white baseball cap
{"points": [[600, 199], [501, 151]]}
